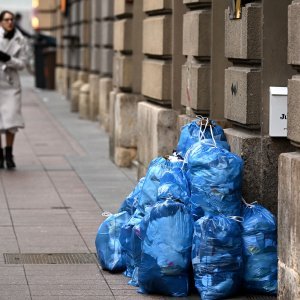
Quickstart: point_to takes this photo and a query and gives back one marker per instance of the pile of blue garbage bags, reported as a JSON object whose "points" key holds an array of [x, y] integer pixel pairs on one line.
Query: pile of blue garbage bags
{"points": [[186, 226]]}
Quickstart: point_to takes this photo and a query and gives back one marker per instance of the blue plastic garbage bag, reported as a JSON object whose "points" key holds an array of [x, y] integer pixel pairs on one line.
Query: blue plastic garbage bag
{"points": [[174, 186], [131, 202], [215, 178], [137, 253], [125, 240], [157, 168], [138, 234], [109, 251], [128, 243], [166, 250], [217, 257], [259, 249], [190, 134]]}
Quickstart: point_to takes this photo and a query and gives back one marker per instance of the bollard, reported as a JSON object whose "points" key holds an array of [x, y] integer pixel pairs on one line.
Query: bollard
{"points": [[94, 97], [84, 97], [75, 91]]}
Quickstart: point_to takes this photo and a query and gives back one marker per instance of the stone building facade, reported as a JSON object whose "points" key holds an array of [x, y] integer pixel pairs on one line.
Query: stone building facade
{"points": [[143, 68]]}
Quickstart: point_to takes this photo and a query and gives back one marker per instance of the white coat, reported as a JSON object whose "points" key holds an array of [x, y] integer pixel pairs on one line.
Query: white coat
{"points": [[10, 86]]}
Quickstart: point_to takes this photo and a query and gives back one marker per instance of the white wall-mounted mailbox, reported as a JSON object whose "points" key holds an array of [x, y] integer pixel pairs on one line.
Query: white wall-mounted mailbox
{"points": [[278, 111]]}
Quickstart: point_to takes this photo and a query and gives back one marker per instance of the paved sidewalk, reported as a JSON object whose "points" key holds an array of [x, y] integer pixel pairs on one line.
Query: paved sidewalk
{"points": [[53, 203]]}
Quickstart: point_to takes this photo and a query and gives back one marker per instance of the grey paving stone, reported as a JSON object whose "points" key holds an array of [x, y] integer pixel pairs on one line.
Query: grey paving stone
{"points": [[80, 202], [70, 290], [50, 239], [86, 271], [33, 200], [5, 218], [46, 217], [73, 298], [122, 287], [8, 294], [12, 278], [140, 297], [82, 217], [55, 163], [60, 280], [121, 280], [127, 292], [3, 204], [26, 183], [8, 240]]}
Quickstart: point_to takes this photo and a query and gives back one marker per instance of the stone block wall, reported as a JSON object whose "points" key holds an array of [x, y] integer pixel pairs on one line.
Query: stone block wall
{"points": [[127, 43], [196, 81], [243, 95], [105, 32], [59, 68], [84, 23], [161, 80], [243, 80], [122, 45], [106, 53], [289, 226], [289, 175], [246, 90], [257, 46], [105, 87], [95, 41]]}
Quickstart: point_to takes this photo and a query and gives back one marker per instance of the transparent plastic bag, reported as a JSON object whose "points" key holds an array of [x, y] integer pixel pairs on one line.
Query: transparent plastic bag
{"points": [[128, 243], [157, 168], [174, 186], [166, 250], [131, 201], [215, 178], [110, 254], [217, 257], [259, 249], [192, 132]]}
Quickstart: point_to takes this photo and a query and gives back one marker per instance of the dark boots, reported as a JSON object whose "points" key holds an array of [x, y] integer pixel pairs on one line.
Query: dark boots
{"points": [[9, 158], [1, 159]]}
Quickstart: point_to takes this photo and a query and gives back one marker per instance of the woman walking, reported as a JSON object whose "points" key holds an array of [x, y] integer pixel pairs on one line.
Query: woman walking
{"points": [[13, 55]]}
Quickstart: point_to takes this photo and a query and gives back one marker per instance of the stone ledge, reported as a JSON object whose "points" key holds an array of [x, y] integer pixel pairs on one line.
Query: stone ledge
{"points": [[156, 79], [157, 131], [243, 36], [94, 97], [243, 95], [197, 33], [196, 78], [293, 124], [107, 9], [294, 33], [289, 283], [105, 87], [84, 99], [122, 75], [122, 7], [289, 225], [122, 39], [150, 5], [260, 155], [157, 35]]}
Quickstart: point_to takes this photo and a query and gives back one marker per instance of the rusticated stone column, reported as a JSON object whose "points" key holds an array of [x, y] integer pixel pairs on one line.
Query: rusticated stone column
{"points": [[289, 175]]}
